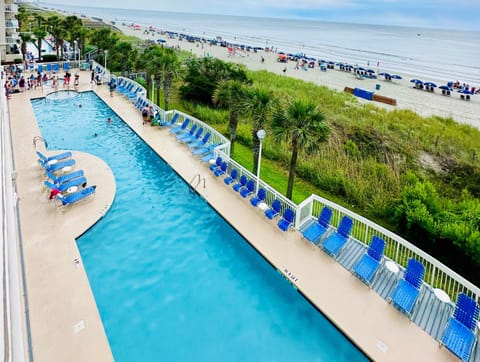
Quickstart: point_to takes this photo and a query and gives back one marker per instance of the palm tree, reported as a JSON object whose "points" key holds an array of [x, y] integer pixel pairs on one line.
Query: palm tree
{"points": [[258, 104], [230, 94], [39, 31], [303, 127], [25, 37], [170, 68]]}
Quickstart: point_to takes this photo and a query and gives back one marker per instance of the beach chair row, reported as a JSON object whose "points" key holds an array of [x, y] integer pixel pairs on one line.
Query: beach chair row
{"points": [[65, 187], [246, 187], [459, 334], [129, 89], [52, 67]]}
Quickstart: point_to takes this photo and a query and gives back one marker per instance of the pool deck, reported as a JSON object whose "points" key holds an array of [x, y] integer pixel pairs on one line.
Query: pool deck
{"points": [[59, 293]]}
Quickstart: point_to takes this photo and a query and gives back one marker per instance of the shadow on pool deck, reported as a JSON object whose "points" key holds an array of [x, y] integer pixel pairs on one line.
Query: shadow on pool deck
{"points": [[59, 292]]}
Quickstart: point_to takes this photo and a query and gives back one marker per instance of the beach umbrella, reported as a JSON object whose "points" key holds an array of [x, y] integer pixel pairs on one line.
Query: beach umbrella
{"points": [[395, 76], [331, 63], [430, 84], [416, 81], [370, 71], [445, 87], [465, 91], [383, 73]]}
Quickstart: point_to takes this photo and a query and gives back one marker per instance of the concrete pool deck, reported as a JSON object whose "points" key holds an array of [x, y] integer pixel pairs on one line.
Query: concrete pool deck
{"points": [[65, 322]]}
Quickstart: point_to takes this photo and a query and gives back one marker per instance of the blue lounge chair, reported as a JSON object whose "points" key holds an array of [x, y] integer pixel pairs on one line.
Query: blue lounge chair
{"points": [[66, 66], [49, 67], [274, 210], [315, 231], [194, 138], [180, 128], [65, 186], [200, 143], [75, 197], [55, 68], [170, 123], [57, 166], [233, 176], [64, 178], [58, 156], [218, 163], [40, 68], [406, 293], [334, 243], [219, 171], [186, 134], [204, 150], [260, 197], [248, 189], [369, 263], [208, 157], [241, 183], [459, 334], [287, 220]]}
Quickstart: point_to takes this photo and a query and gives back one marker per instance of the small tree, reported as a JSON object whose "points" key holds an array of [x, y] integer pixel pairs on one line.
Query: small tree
{"points": [[259, 104], [303, 127], [231, 94]]}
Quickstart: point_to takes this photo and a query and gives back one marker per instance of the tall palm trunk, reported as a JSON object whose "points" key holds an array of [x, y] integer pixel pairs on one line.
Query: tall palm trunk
{"points": [[39, 46], [233, 130], [291, 171], [167, 83]]}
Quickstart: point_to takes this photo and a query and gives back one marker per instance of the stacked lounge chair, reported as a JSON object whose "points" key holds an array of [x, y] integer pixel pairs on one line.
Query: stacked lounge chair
{"points": [[58, 156], [72, 198]]}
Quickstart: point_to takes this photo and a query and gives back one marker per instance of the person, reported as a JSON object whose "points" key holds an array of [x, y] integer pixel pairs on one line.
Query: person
{"points": [[54, 81], [284, 70], [77, 80], [92, 76], [144, 115], [263, 59], [109, 120], [112, 86]]}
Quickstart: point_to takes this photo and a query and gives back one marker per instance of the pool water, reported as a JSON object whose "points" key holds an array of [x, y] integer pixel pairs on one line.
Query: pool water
{"points": [[173, 281]]}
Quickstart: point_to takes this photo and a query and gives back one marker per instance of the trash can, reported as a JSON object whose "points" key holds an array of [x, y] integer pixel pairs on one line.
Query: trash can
{"points": [[377, 86]]}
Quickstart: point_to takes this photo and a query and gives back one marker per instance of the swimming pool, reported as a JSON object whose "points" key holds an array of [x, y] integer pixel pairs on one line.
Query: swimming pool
{"points": [[172, 280]]}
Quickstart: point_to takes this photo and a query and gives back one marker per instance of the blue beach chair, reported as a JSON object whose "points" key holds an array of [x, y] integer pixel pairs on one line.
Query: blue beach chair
{"points": [[274, 210], [63, 187], [186, 134], [74, 197], [170, 123], [180, 128], [260, 197], [204, 150], [58, 156], [194, 138], [219, 171], [241, 183], [315, 231], [233, 176], [368, 264], [459, 334], [56, 166], [287, 220], [200, 143], [407, 291], [57, 180], [248, 189], [218, 163], [334, 243]]}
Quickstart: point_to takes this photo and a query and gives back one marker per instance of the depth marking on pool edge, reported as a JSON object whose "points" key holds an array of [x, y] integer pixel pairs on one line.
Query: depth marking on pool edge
{"points": [[289, 274]]}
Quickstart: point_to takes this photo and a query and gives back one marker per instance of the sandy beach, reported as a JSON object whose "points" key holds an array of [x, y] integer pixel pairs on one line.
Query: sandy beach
{"points": [[420, 101]]}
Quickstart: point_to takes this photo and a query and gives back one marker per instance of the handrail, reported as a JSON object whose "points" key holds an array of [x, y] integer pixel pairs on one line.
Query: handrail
{"points": [[200, 179]]}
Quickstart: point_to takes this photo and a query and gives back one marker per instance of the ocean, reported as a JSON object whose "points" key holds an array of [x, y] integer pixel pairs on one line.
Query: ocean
{"points": [[425, 53]]}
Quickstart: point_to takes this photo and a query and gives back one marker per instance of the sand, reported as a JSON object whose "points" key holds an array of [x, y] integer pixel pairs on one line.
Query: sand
{"points": [[420, 101]]}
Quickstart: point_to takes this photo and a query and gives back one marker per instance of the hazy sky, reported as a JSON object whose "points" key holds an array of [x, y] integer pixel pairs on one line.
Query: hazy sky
{"points": [[459, 14]]}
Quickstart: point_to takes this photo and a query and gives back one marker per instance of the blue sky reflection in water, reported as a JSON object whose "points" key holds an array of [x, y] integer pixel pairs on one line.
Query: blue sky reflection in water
{"points": [[172, 280]]}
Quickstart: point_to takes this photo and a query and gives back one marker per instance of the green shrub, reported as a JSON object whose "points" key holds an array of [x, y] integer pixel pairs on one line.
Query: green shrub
{"points": [[49, 58]]}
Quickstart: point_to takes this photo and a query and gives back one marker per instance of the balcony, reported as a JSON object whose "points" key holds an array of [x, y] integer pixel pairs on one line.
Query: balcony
{"points": [[11, 40], [11, 24], [11, 8]]}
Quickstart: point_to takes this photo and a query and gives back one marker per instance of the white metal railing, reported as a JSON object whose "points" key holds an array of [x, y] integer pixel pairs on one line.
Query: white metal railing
{"points": [[14, 320], [398, 249], [215, 138], [272, 193]]}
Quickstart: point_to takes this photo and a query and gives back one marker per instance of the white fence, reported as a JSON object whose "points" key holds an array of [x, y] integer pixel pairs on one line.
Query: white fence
{"points": [[398, 249]]}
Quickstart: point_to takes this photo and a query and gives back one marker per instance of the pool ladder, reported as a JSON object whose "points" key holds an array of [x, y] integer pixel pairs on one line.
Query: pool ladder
{"points": [[199, 179], [39, 139]]}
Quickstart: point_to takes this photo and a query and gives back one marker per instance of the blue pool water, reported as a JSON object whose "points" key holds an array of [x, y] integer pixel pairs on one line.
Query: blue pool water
{"points": [[172, 280]]}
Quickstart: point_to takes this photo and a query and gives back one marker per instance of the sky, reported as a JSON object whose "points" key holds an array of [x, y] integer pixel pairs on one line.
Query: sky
{"points": [[447, 14]]}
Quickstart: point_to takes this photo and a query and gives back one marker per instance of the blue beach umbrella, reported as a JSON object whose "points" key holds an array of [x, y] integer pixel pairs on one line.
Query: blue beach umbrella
{"points": [[445, 87], [430, 84], [465, 91], [395, 76], [416, 81], [384, 74]]}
